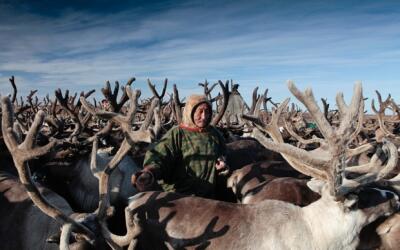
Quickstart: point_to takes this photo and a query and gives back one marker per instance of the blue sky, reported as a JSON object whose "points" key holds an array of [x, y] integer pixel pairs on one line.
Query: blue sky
{"points": [[79, 45]]}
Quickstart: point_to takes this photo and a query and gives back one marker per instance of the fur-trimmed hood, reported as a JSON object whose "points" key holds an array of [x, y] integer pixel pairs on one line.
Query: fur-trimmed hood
{"points": [[191, 104]]}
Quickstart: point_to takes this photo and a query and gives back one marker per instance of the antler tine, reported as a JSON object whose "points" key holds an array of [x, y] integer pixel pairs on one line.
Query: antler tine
{"points": [[225, 95], [177, 106], [153, 88], [266, 100], [269, 99], [14, 96], [93, 159], [360, 149], [207, 90], [30, 101], [109, 95], [71, 101], [67, 106], [307, 98], [10, 138], [32, 92], [360, 122], [48, 98], [164, 89], [154, 91], [26, 151], [255, 98], [150, 112], [390, 150], [381, 113], [374, 164], [341, 103], [353, 113], [260, 101], [112, 96], [204, 85], [37, 103], [63, 100], [53, 108], [124, 98], [157, 121], [212, 87], [133, 96], [116, 89], [326, 108]]}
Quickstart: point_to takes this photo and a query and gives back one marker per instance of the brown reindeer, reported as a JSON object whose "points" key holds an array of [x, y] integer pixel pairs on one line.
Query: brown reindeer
{"points": [[332, 222], [270, 180], [91, 228]]}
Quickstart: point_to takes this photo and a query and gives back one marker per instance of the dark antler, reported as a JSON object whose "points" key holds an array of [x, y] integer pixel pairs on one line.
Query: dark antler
{"points": [[225, 96], [14, 96], [154, 91], [177, 106], [112, 96]]}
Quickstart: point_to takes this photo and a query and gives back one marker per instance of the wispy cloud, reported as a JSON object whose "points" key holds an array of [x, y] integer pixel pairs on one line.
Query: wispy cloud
{"points": [[318, 44]]}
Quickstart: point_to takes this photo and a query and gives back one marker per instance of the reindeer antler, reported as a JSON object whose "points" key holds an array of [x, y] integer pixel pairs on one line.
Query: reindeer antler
{"points": [[14, 96], [329, 164], [154, 91], [112, 96], [225, 98], [383, 105], [26, 151]]}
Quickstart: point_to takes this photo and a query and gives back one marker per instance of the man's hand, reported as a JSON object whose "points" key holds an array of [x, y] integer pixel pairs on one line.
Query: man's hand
{"points": [[221, 166], [143, 180]]}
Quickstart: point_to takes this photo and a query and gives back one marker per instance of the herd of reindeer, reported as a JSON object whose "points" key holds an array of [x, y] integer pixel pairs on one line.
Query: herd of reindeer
{"points": [[317, 178]]}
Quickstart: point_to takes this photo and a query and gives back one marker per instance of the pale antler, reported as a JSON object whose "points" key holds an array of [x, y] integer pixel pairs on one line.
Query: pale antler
{"points": [[154, 91], [383, 105], [26, 151], [225, 96], [331, 164], [130, 137]]}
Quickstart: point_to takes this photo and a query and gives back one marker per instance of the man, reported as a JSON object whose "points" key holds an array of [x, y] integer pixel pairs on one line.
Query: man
{"points": [[189, 156]]}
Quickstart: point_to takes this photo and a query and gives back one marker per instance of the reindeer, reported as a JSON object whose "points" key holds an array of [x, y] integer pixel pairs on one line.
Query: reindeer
{"points": [[67, 169], [333, 222], [270, 180], [90, 229]]}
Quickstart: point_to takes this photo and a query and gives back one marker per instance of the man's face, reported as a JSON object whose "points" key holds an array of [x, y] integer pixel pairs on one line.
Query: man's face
{"points": [[202, 115]]}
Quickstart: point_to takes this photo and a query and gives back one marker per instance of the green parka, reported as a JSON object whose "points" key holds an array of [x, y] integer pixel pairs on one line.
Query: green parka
{"points": [[185, 157]]}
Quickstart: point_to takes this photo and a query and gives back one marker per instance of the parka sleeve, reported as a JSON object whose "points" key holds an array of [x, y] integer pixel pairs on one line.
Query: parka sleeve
{"points": [[163, 155]]}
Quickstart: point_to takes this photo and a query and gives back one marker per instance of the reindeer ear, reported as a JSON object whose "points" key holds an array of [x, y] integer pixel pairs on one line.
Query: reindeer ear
{"points": [[316, 185]]}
